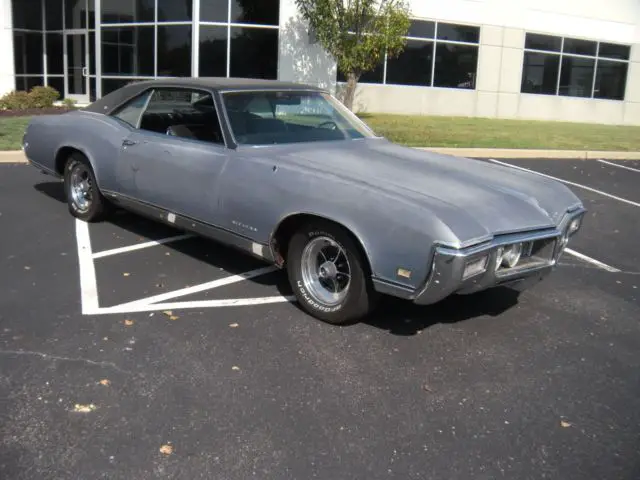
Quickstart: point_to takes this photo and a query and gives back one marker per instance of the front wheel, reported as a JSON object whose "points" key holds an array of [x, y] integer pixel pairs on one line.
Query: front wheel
{"points": [[329, 274], [83, 196]]}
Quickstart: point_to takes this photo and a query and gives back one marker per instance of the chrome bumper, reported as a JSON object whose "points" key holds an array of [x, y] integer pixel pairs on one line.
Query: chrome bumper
{"points": [[446, 276]]}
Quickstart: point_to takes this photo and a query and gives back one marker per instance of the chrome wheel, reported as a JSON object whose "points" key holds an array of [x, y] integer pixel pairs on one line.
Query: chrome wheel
{"points": [[326, 272], [81, 188]]}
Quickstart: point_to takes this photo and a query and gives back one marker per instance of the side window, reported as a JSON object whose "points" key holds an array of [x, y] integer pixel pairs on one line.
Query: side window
{"points": [[183, 113], [130, 112]]}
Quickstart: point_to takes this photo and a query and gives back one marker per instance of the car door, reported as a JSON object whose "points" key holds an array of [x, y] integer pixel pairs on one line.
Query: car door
{"points": [[174, 158]]}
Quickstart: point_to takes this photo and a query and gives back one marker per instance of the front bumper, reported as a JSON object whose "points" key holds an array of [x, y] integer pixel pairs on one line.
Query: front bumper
{"points": [[544, 248]]}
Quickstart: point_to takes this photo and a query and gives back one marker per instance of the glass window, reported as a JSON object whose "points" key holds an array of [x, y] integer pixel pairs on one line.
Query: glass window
{"points": [[372, 76], [540, 73], [27, 83], [213, 51], [128, 51], [291, 117], [92, 53], [75, 15], [214, 11], [422, 29], [27, 51], [131, 111], [412, 66], [611, 50], [53, 13], [262, 12], [127, 11], [27, 14], [57, 83], [549, 43], [611, 79], [458, 33], [576, 77], [196, 117], [580, 47], [254, 53], [54, 53], [111, 84], [456, 66], [174, 51], [92, 13], [175, 10]]}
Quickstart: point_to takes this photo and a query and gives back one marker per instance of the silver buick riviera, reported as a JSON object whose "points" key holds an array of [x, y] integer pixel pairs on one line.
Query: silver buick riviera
{"points": [[286, 173]]}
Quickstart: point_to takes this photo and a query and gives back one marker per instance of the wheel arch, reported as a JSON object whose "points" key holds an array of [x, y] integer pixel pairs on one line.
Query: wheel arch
{"points": [[288, 225], [64, 152]]}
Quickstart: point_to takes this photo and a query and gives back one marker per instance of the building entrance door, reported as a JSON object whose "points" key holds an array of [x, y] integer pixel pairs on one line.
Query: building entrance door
{"points": [[76, 61]]}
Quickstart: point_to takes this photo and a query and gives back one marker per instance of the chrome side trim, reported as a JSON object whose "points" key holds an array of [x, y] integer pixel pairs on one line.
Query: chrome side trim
{"points": [[213, 232]]}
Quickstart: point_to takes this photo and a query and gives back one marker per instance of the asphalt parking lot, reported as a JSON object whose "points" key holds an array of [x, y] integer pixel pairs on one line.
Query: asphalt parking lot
{"points": [[122, 339]]}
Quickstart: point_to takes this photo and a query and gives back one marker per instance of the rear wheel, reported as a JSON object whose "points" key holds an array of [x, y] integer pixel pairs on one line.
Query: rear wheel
{"points": [[83, 196], [328, 274]]}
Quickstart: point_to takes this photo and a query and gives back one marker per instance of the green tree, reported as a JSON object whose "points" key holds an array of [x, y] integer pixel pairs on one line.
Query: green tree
{"points": [[357, 33]]}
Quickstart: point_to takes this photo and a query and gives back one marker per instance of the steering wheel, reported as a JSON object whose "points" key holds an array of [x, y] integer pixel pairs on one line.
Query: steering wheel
{"points": [[329, 122]]}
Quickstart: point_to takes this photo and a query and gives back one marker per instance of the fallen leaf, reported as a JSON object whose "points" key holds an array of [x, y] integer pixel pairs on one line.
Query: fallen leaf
{"points": [[166, 449], [84, 408], [168, 253], [168, 313], [128, 322], [173, 317], [125, 274], [235, 368], [233, 325], [564, 424], [106, 382], [27, 268]]}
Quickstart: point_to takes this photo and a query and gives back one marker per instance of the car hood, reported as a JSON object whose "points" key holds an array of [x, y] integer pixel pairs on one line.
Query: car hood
{"points": [[474, 198]]}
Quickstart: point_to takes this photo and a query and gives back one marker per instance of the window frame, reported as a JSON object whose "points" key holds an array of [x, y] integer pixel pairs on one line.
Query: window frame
{"points": [[561, 55], [151, 90], [435, 41]]}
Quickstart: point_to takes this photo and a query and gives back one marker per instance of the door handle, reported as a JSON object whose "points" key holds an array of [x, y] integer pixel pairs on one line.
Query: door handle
{"points": [[128, 143], [85, 71]]}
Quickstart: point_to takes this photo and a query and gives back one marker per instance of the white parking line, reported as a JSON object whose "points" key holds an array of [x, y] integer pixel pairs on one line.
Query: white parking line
{"points": [[88, 285], [237, 302], [599, 192], [593, 261], [140, 246], [620, 166], [201, 288]]}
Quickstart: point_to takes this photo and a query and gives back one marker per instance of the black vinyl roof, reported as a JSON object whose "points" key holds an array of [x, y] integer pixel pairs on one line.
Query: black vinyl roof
{"points": [[114, 99]]}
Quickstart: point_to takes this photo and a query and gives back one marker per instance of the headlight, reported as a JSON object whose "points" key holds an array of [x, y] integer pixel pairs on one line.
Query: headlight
{"points": [[511, 255]]}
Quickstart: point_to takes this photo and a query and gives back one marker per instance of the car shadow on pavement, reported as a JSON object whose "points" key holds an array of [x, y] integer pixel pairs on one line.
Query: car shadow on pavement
{"points": [[396, 316], [404, 318], [232, 261], [53, 190]]}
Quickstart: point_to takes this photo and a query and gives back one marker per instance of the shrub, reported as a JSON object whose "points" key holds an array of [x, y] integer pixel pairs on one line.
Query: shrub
{"points": [[43, 97], [16, 100], [69, 102]]}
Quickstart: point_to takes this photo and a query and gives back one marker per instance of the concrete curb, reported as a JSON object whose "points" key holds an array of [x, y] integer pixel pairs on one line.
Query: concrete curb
{"points": [[14, 156], [525, 153], [17, 156]]}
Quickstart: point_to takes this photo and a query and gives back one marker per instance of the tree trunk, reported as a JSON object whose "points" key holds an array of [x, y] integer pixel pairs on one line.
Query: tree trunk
{"points": [[350, 93]]}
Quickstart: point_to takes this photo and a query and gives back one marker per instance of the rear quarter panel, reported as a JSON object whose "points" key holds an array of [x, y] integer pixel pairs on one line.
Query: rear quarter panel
{"points": [[257, 192], [97, 136]]}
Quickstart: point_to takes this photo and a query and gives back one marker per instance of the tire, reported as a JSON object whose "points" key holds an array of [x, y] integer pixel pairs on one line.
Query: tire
{"points": [[322, 294], [90, 206]]}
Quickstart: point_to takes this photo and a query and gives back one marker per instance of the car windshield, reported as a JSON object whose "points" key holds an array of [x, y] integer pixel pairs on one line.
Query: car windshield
{"points": [[282, 117]]}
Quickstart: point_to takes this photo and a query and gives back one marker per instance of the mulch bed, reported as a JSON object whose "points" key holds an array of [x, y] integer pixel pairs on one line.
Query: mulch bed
{"points": [[28, 112]]}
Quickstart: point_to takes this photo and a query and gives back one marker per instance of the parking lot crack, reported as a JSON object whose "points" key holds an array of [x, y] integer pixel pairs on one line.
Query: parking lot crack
{"points": [[56, 358]]}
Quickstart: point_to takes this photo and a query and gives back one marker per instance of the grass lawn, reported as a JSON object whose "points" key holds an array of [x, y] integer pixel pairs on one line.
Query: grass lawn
{"points": [[420, 131], [11, 131]]}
